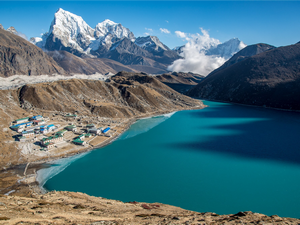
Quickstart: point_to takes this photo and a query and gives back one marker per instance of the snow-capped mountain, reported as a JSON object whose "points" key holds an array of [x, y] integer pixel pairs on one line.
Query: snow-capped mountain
{"points": [[108, 39], [71, 33], [151, 43], [227, 49]]}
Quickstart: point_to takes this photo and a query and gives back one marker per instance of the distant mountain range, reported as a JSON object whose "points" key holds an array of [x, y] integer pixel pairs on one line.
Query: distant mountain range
{"points": [[225, 50], [260, 75], [69, 32], [107, 48]]}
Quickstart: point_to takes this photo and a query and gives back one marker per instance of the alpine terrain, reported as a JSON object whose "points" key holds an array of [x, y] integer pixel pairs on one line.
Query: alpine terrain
{"points": [[108, 39], [18, 56], [225, 50], [270, 78]]}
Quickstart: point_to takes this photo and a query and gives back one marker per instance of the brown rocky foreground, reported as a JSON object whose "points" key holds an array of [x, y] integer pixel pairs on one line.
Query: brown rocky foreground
{"points": [[78, 208]]}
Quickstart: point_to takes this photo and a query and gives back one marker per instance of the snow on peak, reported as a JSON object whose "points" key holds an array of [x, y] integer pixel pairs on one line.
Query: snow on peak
{"points": [[116, 29], [150, 42], [227, 49], [71, 28], [107, 21]]}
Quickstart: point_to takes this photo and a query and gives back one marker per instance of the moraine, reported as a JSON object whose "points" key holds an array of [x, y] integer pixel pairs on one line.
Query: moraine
{"points": [[224, 159]]}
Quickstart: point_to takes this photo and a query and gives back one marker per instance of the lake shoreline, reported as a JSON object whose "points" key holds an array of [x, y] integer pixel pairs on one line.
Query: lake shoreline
{"points": [[26, 174]]}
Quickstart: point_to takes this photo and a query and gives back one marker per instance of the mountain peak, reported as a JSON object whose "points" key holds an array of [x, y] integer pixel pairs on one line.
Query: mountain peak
{"points": [[150, 42], [227, 49], [107, 21], [12, 30], [108, 27]]}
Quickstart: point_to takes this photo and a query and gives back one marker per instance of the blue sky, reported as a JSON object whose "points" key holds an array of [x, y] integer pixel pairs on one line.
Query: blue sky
{"points": [[273, 22]]}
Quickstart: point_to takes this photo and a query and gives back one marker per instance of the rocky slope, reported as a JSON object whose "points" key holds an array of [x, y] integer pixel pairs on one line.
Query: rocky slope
{"points": [[246, 52], [181, 82], [78, 208], [126, 95], [18, 56], [269, 79], [75, 65]]}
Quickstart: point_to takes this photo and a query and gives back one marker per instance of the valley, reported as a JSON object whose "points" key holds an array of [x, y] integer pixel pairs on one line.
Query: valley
{"points": [[77, 88]]}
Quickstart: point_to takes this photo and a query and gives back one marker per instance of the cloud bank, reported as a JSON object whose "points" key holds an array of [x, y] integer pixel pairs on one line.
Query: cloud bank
{"points": [[193, 53]]}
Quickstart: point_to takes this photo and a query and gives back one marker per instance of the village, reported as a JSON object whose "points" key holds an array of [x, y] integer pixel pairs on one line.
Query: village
{"points": [[61, 131]]}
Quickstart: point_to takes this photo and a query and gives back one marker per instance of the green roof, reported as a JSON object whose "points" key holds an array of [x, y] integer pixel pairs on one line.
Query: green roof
{"points": [[52, 137], [25, 118], [78, 141], [88, 134], [71, 115], [61, 132]]}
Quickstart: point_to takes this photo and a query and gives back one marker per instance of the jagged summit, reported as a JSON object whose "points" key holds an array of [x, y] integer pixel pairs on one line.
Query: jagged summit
{"points": [[151, 42], [115, 29], [71, 33]]}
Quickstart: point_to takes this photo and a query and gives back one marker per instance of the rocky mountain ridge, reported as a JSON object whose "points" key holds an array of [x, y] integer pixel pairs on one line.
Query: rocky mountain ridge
{"points": [[181, 82], [18, 56], [108, 39], [125, 95], [270, 79], [73, 64]]}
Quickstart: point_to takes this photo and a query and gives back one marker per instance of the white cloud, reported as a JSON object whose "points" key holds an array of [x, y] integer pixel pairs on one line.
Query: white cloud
{"points": [[164, 30], [147, 34], [167, 21], [149, 29], [22, 35], [193, 53], [180, 34]]}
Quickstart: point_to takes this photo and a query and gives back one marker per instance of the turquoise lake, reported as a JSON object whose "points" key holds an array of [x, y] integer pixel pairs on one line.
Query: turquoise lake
{"points": [[224, 158]]}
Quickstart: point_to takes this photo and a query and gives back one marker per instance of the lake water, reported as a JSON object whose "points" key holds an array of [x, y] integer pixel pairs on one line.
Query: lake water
{"points": [[225, 159]]}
